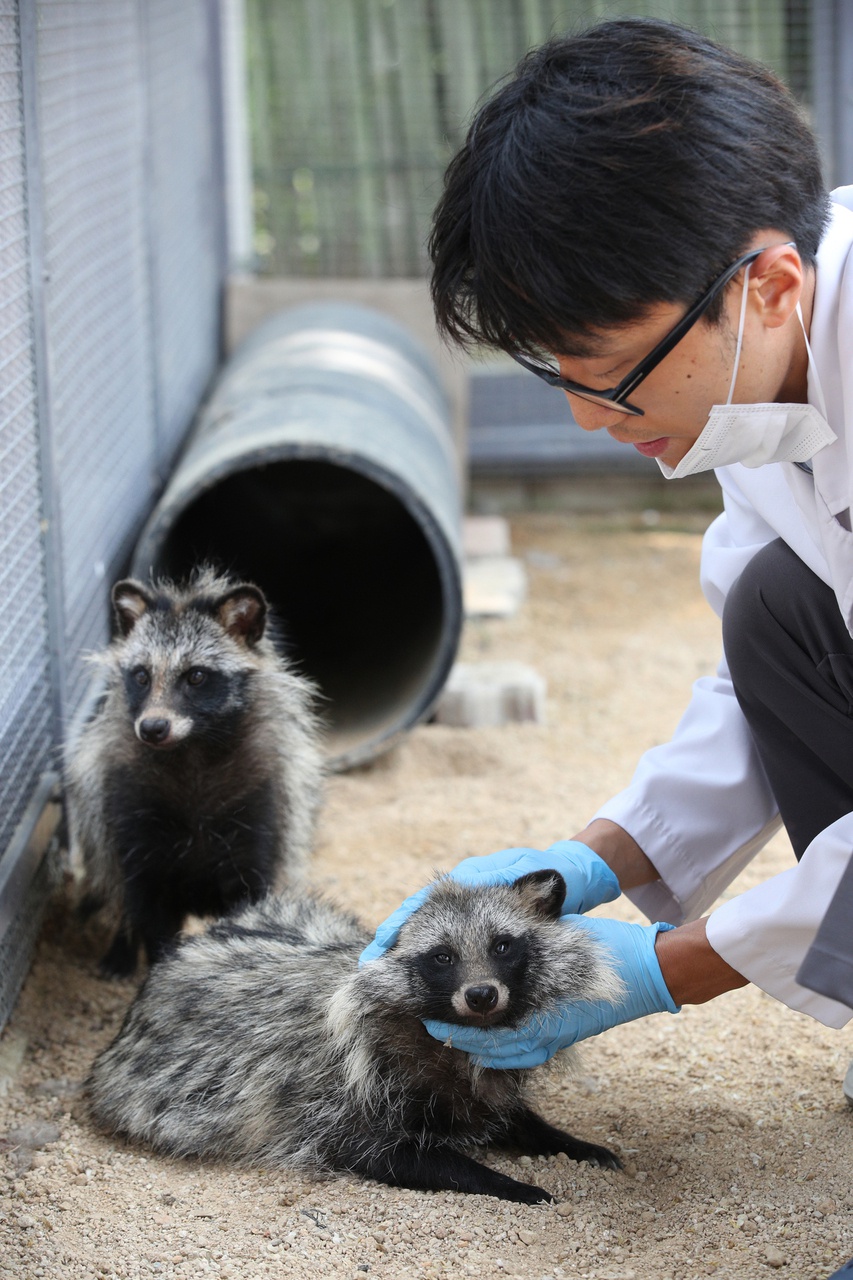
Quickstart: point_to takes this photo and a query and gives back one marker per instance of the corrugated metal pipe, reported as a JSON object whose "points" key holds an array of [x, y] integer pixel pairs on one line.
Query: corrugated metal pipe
{"points": [[322, 468]]}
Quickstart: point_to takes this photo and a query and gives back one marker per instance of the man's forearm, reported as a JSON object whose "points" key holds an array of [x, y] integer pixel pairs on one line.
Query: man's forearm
{"points": [[692, 970], [620, 851]]}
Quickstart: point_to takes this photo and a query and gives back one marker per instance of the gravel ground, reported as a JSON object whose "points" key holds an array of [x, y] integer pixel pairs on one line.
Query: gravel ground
{"points": [[729, 1117]]}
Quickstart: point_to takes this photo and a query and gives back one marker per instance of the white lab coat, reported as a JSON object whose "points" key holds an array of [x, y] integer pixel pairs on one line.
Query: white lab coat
{"points": [[700, 806]]}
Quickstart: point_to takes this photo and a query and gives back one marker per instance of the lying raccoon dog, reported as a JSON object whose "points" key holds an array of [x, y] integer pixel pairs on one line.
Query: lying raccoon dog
{"points": [[195, 786], [262, 1041]]}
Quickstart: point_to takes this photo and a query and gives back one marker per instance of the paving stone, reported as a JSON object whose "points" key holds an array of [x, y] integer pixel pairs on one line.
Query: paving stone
{"points": [[493, 587], [485, 536], [482, 694]]}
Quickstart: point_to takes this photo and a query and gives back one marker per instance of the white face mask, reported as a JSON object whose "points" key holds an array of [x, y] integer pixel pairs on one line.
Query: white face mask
{"points": [[756, 433]]}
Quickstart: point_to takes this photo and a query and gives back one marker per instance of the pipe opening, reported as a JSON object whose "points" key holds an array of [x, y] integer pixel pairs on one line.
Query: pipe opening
{"points": [[351, 574]]}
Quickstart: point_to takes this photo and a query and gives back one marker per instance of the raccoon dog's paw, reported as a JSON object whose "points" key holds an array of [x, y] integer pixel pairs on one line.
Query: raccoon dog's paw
{"points": [[533, 1195], [590, 1153]]}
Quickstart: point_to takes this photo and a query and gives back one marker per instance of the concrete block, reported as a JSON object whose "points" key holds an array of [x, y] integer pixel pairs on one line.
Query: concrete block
{"points": [[485, 536], [493, 586], [479, 695]]}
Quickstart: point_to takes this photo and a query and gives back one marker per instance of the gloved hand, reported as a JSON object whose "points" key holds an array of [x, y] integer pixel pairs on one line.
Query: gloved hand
{"points": [[589, 882], [631, 947]]}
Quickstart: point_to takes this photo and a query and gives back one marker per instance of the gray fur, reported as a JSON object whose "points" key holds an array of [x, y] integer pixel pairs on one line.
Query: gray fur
{"points": [[271, 742], [263, 1042]]}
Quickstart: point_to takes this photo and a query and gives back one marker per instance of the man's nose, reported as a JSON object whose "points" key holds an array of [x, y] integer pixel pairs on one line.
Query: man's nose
{"points": [[594, 417]]}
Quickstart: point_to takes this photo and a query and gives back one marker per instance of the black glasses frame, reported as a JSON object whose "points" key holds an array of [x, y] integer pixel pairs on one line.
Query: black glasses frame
{"points": [[617, 396]]}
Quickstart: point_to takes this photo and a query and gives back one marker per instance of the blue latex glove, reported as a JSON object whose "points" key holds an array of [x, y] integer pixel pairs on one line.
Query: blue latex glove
{"points": [[589, 882], [632, 947]]}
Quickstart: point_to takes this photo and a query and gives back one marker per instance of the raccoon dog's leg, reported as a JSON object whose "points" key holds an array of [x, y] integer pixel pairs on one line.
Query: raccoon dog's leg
{"points": [[120, 960], [156, 918], [442, 1169], [535, 1137], [88, 905]]}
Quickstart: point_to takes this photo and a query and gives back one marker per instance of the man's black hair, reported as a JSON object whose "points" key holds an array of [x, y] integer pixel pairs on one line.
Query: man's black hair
{"points": [[622, 167]]}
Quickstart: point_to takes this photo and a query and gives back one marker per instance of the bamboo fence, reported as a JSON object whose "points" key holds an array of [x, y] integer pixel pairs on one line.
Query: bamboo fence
{"points": [[357, 106]]}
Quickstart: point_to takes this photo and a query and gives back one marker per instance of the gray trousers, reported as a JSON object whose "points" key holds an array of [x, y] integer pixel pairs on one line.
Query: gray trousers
{"points": [[791, 659]]}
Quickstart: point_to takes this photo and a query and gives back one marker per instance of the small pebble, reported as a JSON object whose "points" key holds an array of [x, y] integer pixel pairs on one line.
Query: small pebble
{"points": [[566, 1209], [774, 1257], [527, 1237]]}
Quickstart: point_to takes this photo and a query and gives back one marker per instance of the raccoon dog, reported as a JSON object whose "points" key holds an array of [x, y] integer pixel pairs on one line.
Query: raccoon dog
{"points": [[194, 787], [263, 1041]]}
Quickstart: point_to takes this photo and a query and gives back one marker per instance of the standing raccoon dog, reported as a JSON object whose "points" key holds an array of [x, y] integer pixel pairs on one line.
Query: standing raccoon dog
{"points": [[197, 781], [263, 1041]]}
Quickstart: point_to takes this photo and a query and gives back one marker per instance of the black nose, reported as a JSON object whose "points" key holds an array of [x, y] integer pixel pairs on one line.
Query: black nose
{"points": [[154, 731], [481, 999]]}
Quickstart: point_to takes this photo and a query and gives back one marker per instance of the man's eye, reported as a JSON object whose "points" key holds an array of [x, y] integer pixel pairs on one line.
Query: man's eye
{"points": [[196, 676], [141, 677]]}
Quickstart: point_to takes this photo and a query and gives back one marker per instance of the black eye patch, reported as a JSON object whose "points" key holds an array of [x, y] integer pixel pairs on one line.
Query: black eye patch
{"points": [[137, 685]]}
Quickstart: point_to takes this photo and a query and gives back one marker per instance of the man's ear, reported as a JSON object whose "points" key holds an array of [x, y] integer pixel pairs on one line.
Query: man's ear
{"points": [[776, 279]]}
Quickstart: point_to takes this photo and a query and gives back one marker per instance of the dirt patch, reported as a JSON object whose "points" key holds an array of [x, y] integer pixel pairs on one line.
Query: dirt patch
{"points": [[729, 1117]]}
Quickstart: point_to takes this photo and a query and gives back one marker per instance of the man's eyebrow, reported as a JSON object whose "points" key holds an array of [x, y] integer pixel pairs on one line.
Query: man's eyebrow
{"points": [[597, 346], [610, 352], [587, 348]]}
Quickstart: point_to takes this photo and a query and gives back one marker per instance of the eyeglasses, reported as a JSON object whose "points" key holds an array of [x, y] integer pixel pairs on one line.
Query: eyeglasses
{"points": [[617, 396]]}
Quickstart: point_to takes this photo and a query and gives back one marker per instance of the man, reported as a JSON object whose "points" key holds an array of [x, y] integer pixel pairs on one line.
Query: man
{"points": [[638, 217]]}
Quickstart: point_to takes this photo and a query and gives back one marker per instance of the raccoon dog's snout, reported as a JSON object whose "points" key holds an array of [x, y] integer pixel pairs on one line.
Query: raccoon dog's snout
{"points": [[481, 999], [154, 732]]}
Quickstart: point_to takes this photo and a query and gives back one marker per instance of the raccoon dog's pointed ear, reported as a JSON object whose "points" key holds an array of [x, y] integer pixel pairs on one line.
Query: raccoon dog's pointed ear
{"points": [[130, 600], [543, 891], [242, 611]]}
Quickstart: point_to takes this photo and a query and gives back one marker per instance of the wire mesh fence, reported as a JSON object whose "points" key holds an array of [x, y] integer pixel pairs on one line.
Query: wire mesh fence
{"points": [[25, 679], [111, 265], [357, 106]]}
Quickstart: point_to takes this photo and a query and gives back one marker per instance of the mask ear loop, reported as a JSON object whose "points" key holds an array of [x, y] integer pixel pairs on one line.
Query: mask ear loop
{"points": [[740, 326], [812, 367]]}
